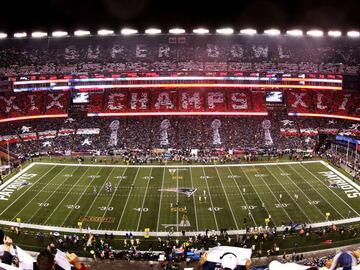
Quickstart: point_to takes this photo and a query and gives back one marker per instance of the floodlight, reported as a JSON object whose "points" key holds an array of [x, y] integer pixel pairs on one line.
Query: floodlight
{"points": [[59, 34], [38, 34], [334, 33], [128, 31], [177, 31], [201, 31], [315, 33], [353, 34], [294, 32], [225, 31], [105, 32], [272, 32], [20, 35], [248, 31], [3, 35], [152, 31], [81, 33]]}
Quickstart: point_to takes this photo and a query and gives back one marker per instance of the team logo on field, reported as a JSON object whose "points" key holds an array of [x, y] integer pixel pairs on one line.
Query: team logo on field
{"points": [[187, 191], [24, 184]]}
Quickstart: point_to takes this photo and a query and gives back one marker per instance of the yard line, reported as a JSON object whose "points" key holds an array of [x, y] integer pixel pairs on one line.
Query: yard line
{"points": [[16, 215], [97, 195], [241, 195], [60, 203], [257, 193], [143, 202], [274, 196], [32, 185], [111, 199], [227, 199], [330, 190], [52, 193], [290, 195], [212, 205], [161, 193], [301, 189], [127, 200], [318, 193], [192, 186], [78, 200]]}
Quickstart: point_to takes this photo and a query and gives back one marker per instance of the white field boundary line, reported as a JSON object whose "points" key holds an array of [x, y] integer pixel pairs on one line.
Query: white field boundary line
{"points": [[322, 182], [327, 165], [143, 202], [192, 186], [227, 199], [242, 196], [322, 196], [212, 205], [180, 166], [298, 206], [157, 234]]}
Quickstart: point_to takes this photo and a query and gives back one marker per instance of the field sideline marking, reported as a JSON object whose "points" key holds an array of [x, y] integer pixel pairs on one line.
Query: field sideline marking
{"points": [[331, 190], [322, 196], [181, 166], [227, 199]]}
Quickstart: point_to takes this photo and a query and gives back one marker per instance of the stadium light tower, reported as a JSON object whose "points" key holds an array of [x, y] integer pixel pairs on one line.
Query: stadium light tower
{"points": [[334, 33], [3, 35], [81, 33], [20, 35], [201, 31], [129, 31], [59, 33], [152, 31], [248, 31], [353, 34], [315, 33], [225, 31], [272, 32], [38, 34], [105, 32], [177, 31], [294, 33]]}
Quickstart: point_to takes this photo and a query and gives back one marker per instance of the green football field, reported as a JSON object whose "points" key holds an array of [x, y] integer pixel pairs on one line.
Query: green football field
{"points": [[175, 198]]}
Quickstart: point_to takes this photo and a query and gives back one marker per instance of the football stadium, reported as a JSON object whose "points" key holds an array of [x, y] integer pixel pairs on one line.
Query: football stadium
{"points": [[162, 146]]}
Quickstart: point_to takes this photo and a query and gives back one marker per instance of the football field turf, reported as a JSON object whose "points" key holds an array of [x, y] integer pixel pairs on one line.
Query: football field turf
{"points": [[177, 197]]}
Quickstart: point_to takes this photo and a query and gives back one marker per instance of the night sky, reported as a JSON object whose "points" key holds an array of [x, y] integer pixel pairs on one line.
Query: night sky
{"points": [[49, 15]]}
